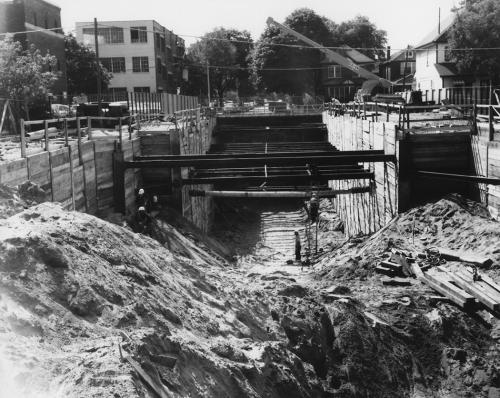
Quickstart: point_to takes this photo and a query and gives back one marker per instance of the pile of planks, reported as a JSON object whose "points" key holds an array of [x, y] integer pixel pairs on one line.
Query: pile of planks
{"points": [[461, 288]]}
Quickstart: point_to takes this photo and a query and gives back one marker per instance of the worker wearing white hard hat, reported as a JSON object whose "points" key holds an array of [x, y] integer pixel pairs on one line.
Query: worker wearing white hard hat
{"points": [[142, 199]]}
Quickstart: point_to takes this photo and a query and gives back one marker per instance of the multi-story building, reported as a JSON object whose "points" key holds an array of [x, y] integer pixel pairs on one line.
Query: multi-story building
{"points": [[142, 55], [34, 18]]}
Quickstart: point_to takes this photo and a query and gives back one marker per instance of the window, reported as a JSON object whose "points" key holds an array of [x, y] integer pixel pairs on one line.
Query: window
{"points": [[140, 64], [138, 34], [427, 56], [141, 90], [157, 40], [410, 68], [115, 65], [117, 94], [158, 65], [163, 45], [334, 71], [105, 35], [447, 54], [410, 54], [169, 55]]}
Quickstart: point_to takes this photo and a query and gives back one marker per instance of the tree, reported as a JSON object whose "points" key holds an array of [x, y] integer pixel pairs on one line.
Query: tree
{"points": [[226, 51], [280, 61], [476, 26], [81, 67], [25, 76], [360, 33]]}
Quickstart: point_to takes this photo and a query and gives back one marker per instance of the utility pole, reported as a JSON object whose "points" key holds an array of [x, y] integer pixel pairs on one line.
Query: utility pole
{"points": [[404, 72], [208, 82], [98, 66]]}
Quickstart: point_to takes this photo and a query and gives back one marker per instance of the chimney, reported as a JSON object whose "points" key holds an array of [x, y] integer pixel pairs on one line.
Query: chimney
{"points": [[439, 22], [388, 53]]}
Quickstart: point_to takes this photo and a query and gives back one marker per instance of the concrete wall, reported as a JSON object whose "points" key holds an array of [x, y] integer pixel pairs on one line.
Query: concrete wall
{"points": [[79, 176]]}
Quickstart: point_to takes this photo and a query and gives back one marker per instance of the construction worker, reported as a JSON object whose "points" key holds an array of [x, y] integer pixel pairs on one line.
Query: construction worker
{"points": [[297, 246], [475, 276], [142, 199], [314, 207], [154, 207], [143, 222]]}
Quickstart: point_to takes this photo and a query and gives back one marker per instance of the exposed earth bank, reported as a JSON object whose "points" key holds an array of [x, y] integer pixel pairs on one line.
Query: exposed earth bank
{"points": [[75, 289]]}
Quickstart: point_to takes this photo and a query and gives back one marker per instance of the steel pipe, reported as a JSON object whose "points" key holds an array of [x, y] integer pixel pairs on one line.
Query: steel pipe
{"points": [[276, 194]]}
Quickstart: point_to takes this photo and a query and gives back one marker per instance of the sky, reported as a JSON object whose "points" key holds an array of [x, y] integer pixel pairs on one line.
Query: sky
{"points": [[405, 21]]}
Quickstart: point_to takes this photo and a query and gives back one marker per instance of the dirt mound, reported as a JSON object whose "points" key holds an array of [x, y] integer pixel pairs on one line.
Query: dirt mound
{"points": [[14, 200]]}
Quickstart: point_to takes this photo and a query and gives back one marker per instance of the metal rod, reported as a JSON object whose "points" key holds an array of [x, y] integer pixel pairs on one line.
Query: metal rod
{"points": [[457, 177], [276, 194], [260, 162], [222, 156]]}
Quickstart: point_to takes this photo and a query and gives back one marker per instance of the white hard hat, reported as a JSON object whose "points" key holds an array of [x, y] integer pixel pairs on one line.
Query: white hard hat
{"points": [[141, 191], [142, 208]]}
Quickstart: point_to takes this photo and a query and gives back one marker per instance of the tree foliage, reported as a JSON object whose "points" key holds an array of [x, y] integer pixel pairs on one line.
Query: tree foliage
{"points": [[25, 76], [226, 51], [360, 33], [305, 75], [277, 50], [81, 67], [477, 26]]}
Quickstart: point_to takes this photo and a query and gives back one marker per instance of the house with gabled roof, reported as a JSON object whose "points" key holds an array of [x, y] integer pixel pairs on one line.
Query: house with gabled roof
{"points": [[393, 69], [435, 69], [340, 82]]}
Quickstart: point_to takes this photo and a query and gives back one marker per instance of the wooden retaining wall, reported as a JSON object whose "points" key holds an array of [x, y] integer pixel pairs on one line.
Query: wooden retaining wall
{"points": [[187, 140], [79, 176], [366, 212], [395, 189]]}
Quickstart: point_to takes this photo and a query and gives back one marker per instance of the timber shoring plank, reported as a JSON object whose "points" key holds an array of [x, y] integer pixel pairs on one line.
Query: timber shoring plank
{"points": [[481, 284], [438, 288], [451, 289], [473, 290]]}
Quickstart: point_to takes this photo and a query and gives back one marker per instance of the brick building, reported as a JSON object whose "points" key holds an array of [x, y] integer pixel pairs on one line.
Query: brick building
{"points": [[31, 17], [143, 55]]}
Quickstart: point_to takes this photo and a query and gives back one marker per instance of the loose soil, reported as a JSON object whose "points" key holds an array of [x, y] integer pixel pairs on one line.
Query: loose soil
{"points": [[74, 289]]}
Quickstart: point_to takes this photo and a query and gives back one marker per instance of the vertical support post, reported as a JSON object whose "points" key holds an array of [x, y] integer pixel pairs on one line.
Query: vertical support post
{"points": [[474, 119], [51, 177], [120, 134], [490, 114], [98, 70], [80, 155], [130, 128], [66, 143], [407, 118], [23, 140], [175, 149], [376, 110], [46, 127], [72, 177], [119, 182], [399, 120], [89, 128]]}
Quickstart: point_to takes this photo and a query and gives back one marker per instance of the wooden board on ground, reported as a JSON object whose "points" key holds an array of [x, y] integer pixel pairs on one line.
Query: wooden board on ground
{"points": [[450, 288]]}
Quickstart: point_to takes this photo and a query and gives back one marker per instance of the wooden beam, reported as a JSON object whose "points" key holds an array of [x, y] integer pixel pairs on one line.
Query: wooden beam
{"points": [[455, 177], [452, 290], [277, 194]]}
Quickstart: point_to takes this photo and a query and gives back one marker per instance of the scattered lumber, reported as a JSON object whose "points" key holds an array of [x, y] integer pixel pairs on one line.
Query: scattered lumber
{"points": [[396, 282], [453, 255], [417, 271], [474, 290], [391, 265], [399, 259], [439, 299], [385, 271], [443, 286], [36, 135], [159, 390]]}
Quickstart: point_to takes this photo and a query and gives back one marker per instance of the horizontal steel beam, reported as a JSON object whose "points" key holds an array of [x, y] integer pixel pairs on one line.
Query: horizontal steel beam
{"points": [[456, 177], [361, 175], [258, 155], [277, 194], [270, 160]]}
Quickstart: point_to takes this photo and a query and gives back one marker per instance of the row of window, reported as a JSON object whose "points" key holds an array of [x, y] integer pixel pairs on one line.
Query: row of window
{"points": [[338, 71], [117, 64], [46, 22]]}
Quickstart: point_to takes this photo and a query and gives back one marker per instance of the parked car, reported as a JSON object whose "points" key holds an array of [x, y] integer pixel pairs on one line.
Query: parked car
{"points": [[60, 111]]}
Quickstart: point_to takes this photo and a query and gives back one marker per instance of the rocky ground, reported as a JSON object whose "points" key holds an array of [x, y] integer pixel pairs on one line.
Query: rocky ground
{"points": [[76, 291]]}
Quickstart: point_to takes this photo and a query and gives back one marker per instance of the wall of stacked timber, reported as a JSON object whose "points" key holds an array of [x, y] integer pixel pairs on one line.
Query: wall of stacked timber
{"points": [[366, 212], [79, 176], [395, 189], [189, 139], [485, 162]]}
